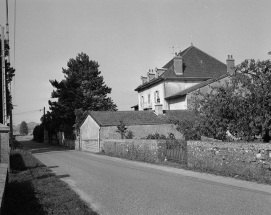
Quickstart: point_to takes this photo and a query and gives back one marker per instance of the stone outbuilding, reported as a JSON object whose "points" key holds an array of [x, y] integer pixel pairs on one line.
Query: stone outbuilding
{"points": [[101, 125]]}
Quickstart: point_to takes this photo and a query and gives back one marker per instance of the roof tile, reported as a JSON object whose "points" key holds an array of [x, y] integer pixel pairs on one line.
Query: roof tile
{"points": [[113, 118]]}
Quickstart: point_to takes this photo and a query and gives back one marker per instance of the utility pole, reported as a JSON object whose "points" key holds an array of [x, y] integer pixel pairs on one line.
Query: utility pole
{"points": [[3, 77], [7, 29], [43, 123], [10, 105]]}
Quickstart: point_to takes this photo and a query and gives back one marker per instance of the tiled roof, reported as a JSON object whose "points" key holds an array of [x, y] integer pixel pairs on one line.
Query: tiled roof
{"points": [[179, 114], [107, 118], [197, 86], [196, 64], [113, 118]]}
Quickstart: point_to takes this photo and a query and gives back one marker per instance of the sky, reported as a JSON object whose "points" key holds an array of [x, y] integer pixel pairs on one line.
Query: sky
{"points": [[126, 38]]}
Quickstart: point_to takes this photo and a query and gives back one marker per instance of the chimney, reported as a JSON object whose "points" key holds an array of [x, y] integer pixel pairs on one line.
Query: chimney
{"points": [[159, 109], [178, 65], [230, 65], [144, 79], [150, 75], [159, 72]]}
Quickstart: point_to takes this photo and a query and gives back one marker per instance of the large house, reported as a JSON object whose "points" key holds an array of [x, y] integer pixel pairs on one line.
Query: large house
{"points": [[189, 70]]}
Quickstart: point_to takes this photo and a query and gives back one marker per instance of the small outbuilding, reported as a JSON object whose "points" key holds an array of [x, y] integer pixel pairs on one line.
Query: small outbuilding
{"points": [[100, 125]]}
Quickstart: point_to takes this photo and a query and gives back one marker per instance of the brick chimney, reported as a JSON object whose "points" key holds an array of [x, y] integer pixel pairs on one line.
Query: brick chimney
{"points": [[230, 65], [159, 72], [159, 109], [178, 64], [144, 80], [150, 75]]}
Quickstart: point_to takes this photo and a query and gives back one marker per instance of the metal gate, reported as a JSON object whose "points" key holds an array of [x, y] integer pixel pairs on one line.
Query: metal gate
{"points": [[176, 151]]}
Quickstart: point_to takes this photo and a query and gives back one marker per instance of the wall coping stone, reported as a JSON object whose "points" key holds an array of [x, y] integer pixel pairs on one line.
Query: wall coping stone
{"points": [[132, 140], [4, 128], [230, 144]]}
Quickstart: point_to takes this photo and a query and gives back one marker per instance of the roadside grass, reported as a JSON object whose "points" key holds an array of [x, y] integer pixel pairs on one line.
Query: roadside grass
{"points": [[260, 173], [34, 189]]}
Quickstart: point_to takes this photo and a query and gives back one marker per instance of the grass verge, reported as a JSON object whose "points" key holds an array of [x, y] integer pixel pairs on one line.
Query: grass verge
{"points": [[34, 189], [258, 174]]}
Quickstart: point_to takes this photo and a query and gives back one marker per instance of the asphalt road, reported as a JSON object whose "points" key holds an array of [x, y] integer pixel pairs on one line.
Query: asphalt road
{"points": [[115, 186]]}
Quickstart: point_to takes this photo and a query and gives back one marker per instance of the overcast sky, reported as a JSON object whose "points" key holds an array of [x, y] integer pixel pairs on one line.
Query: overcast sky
{"points": [[126, 37]]}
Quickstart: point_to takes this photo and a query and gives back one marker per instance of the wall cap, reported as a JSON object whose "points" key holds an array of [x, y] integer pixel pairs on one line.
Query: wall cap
{"points": [[4, 128]]}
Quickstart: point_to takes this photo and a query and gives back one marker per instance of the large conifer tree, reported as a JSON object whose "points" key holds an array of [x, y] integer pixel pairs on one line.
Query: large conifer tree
{"points": [[83, 88]]}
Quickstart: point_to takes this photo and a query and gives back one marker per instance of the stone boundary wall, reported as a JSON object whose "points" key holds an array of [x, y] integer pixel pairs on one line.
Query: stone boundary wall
{"points": [[142, 150], [4, 162], [250, 159]]}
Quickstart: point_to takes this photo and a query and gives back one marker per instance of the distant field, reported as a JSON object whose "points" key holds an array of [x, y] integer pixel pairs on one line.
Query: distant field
{"points": [[22, 138]]}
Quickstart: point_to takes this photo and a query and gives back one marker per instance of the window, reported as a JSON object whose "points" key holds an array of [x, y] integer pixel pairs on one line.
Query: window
{"points": [[149, 98], [156, 97], [142, 101]]}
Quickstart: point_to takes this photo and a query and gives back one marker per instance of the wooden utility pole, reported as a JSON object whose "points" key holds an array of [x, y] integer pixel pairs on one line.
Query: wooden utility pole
{"points": [[10, 105], [43, 123], [4, 104]]}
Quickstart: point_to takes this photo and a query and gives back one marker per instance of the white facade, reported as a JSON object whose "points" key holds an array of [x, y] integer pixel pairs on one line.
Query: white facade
{"points": [[147, 98], [179, 103]]}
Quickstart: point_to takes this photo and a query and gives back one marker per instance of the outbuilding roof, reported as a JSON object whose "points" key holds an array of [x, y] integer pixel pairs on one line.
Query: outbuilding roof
{"points": [[113, 118]]}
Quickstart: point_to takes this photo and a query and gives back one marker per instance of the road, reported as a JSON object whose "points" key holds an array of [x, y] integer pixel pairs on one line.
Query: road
{"points": [[115, 186]]}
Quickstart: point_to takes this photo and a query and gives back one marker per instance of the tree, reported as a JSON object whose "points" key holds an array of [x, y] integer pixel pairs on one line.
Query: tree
{"points": [[122, 129], [10, 73], [23, 128], [38, 133], [83, 89], [242, 106]]}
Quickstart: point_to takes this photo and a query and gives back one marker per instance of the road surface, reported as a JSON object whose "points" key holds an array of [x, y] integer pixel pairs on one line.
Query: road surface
{"points": [[115, 186]]}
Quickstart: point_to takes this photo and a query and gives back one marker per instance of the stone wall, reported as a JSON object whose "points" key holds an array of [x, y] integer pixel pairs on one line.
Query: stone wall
{"points": [[141, 150], [247, 159], [4, 161]]}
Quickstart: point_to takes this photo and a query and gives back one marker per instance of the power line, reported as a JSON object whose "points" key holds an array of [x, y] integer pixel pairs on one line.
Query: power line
{"points": [[27, 112]]}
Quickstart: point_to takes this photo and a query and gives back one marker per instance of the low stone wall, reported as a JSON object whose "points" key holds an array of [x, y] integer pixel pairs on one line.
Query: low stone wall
{"points": [[4, 162], [233, 158], [142, 150]]}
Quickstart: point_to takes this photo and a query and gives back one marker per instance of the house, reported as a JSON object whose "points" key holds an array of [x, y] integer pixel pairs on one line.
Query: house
{"points": [[188, 71], [100, 125]]}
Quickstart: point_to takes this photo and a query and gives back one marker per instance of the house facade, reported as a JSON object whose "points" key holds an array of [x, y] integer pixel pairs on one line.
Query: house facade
{"points": [[188, 71], [101, 125]]}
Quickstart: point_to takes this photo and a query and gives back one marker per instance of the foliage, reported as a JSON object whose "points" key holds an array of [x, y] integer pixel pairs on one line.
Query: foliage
{"points": [[23, 128], [242, 105], [189, 129], [83, 89], [122, 129], [157, 136], [129, 135], [38, 133], [10, 73]]}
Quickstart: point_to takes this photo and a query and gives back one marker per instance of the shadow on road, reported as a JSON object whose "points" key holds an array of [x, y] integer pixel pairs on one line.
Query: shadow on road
{"points": [[35, 147]]}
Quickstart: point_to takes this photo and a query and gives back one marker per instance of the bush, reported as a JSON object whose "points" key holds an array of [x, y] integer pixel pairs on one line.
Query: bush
{"points": [[38, 133], [157, 136]]}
